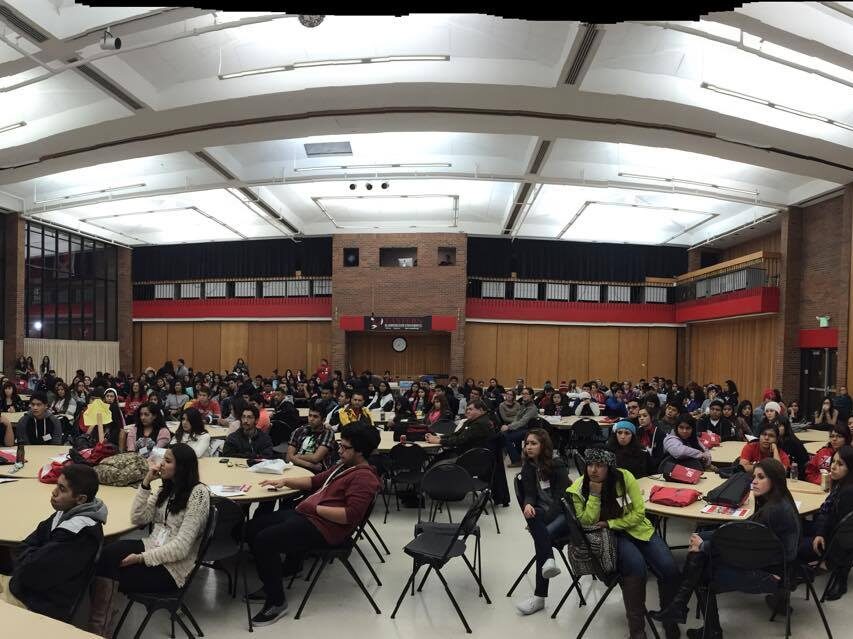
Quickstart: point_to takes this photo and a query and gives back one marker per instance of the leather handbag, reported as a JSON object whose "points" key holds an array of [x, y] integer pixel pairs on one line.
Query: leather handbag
{"points": [[669, 496], [709, 440], [680, 473], [733, 492]]}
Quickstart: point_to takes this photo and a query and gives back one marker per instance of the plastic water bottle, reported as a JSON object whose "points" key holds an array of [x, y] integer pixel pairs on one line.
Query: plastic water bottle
{"points": [[795, 471]]}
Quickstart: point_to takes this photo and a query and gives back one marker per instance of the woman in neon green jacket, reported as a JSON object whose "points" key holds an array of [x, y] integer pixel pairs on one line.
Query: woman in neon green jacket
{"points": [[609, 497]]}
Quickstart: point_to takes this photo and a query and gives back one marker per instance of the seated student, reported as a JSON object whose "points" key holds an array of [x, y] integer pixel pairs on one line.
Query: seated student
{"points": [[614, 406], [135, 398], [326, 403], [545, 479], [610, 497], [790, 444], [509, 408], [716, 423], [651, 435], [671, 415], [193, 433], [38, 426], [475, 431], [822, 460], [247, 441], [150, 428], [355, 412], [111, 399], [796, 416], [339, 500], [827, 416], [557, 405], [771, 414], [766, 446], [264, 422], [53, 562], [176, 399], [64, 407], [333, 419], [514, 432], [163, 560], [683, 446], [585, 406], [625, 444], [312, 446], [209, 408], [112, 432], [818, 534], [383, 399], [440, 410], [11, 402], [775, 508], [231, 421]]}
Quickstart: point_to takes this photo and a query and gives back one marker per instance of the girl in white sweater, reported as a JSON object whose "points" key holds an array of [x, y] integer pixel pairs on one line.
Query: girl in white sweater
{"points": [[193, 433]]}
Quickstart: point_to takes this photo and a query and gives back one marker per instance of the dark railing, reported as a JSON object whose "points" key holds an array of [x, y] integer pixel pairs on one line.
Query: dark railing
{"points": [[755, 270], [230, 289], [652, 292]]}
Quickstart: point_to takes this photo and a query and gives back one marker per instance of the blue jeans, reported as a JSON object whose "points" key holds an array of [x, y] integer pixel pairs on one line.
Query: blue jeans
{"points": [[633, 555], [512, 443], [543, 535], [730, 578]]}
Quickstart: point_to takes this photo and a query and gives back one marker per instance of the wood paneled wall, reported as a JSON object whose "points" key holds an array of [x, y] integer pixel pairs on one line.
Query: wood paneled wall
{"points": [[770, 242], [538, 352], [217, 345], [428, 353], [741, 350]]}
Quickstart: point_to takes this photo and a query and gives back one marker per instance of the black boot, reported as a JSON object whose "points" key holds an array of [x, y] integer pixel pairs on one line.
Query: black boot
{"points": [[634, 598], [838, 586], [712, 622], [676, 611]]}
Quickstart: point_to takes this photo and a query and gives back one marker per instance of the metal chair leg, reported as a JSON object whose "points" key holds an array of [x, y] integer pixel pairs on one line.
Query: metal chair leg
{"points": [[367, 563], [144, 623], [189, 615], [310, 588], [410, 581], [369, 540], [423, 581], [360, 584], [575, 584], [183, 626], [122, 618], [810, 587], [378, 537], [473, 572], [595, 611], [453, 601]]}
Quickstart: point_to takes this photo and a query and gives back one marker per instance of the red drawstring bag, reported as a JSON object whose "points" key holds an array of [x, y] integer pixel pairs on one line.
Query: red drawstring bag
{"points": [[102, 450], [669, 496], [10, 458], [49, 474], [709, 440]]}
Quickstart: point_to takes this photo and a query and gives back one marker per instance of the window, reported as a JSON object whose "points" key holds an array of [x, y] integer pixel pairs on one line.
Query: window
{"points": [[70, 286], [398, 257], [447, 256], [350, 257]]}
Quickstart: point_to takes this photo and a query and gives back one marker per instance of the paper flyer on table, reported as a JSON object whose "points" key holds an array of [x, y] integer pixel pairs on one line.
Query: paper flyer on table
{"points": [[713, 509], [229, 491]]}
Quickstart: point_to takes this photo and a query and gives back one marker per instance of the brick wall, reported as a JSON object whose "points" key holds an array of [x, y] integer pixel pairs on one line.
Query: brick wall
{"points": [[13, 291], [427, 289], [124, 319], [786, 354]]}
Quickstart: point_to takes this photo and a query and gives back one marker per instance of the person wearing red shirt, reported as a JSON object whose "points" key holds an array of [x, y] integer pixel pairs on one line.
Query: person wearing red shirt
{"points": [[323, 371], [822, 459], [209, 408], [765, 446], [339, 500]]}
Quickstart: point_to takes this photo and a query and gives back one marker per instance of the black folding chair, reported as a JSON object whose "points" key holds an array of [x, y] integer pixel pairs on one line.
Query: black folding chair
{"points": [[172, 601], [586, 433], [443, 427], [480, 463], [558, 544], [580, 463], [435, 550], [578, 539], [749, 545], [839, 551], [324, 556], [84, 590], [444, 483], [407, 463]]}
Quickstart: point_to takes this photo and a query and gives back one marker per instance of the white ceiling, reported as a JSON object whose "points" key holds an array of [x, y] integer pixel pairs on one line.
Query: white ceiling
{"points": [[675, 133]]}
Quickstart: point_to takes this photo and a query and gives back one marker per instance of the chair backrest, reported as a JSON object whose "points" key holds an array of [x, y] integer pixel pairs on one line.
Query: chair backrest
{"points": [[443, 427], [580, 463], [469, 522], [839, 551], [447, 481], [206, 537], [577, 538], [586, 429], [84, 590], [407, 457], [480, 462], [748, 545], [519, 490], [228, 515]]}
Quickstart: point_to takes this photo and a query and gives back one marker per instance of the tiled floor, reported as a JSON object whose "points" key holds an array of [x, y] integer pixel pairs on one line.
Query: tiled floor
{"points": [[338, 608]]}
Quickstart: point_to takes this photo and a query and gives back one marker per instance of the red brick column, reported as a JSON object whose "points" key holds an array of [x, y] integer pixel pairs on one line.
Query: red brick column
{"points": [[13, 292], [124, 318], [786, 364]]}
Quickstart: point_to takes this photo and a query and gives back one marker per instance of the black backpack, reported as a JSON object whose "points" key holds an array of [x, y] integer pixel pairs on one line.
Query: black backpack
{"points": [[733, 492]]}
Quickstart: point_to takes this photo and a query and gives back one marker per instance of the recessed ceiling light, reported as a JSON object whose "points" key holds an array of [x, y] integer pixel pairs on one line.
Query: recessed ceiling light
{"points": [[691, 182], [331, 63], [87, 193], [12, 127], [348, 167]]}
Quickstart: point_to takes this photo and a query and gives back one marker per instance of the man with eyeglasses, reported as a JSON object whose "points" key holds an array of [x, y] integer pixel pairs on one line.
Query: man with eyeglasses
{"points": [[338, 501], [633, 408]]}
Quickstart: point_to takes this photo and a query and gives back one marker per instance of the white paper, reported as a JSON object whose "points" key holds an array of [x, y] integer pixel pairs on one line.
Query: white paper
{"points": [[751, 438], [3, 480], [271, 466], [225, 491]]}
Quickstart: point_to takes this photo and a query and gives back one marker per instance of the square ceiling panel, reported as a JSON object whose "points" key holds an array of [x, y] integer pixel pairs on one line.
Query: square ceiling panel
{"points": [[640, 224], [378, 211], [170, 226]]}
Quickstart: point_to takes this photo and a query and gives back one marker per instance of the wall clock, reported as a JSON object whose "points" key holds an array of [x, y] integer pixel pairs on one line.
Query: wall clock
{"points": [[399, 344]]}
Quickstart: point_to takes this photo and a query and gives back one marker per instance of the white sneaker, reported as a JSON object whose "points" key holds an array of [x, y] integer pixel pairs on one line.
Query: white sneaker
{"points": [[531, 605], [550, 569]]}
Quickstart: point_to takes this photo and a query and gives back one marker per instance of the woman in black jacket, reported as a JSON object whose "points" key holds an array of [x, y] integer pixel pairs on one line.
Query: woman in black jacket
{"points": [[544, 480], [837, 505], [630, 455], [795, 449]]}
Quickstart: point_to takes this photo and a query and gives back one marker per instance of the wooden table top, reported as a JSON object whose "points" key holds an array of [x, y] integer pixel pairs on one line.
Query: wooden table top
{"points": [[813, 447], [20, 622], [215, 432], [29, 500], [726, 453], [36, 456], [236, 473], [809, 496], [806, 436], [375, 414], [569, 421], [386, 442], [14, 418]]}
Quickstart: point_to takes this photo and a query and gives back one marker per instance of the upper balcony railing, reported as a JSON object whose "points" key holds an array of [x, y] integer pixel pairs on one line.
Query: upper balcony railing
{"points": [[236, 288], [755, 270], [652, 291]]}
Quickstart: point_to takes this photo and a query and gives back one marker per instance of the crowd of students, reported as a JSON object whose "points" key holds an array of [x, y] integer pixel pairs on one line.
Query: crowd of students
{"points": [[655, 421]]}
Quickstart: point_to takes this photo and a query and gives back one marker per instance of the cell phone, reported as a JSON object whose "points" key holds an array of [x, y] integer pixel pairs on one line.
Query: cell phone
{"points": [[224, 460]]}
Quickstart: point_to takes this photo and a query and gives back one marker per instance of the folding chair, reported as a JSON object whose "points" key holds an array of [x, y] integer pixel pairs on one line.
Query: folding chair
{"points": [[436, 550], [84, 590], [407, 462], [480, 463], [839, 551], [172, 601], [443, 483], [578, 539]]}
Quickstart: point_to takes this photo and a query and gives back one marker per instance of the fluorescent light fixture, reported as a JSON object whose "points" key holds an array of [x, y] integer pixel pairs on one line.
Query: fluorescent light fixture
{"points": [[347, 167], [239, 195], [12, 127], [690, 182], [87, 193], [778, 107], [331, 63]]}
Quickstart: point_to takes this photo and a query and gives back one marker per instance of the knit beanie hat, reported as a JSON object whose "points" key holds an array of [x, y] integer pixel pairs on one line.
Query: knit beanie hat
{"points": [[600, 456], [624, 424], [773, 406]]}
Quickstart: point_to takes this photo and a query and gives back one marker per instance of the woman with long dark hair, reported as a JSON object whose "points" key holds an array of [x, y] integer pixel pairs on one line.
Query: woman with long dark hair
{"points": [[11, 402], [827, 416], [176, 399], [162, 561], [683, 446], [439, 411], [730, 394], [384, 399], [44, 367], [775, 508], [64, 406], [743, 419], [610, 497], [193, 433], [822, 460], [544, 479], [136, 397], [151, 429], [630, 455], [837, 505]]}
